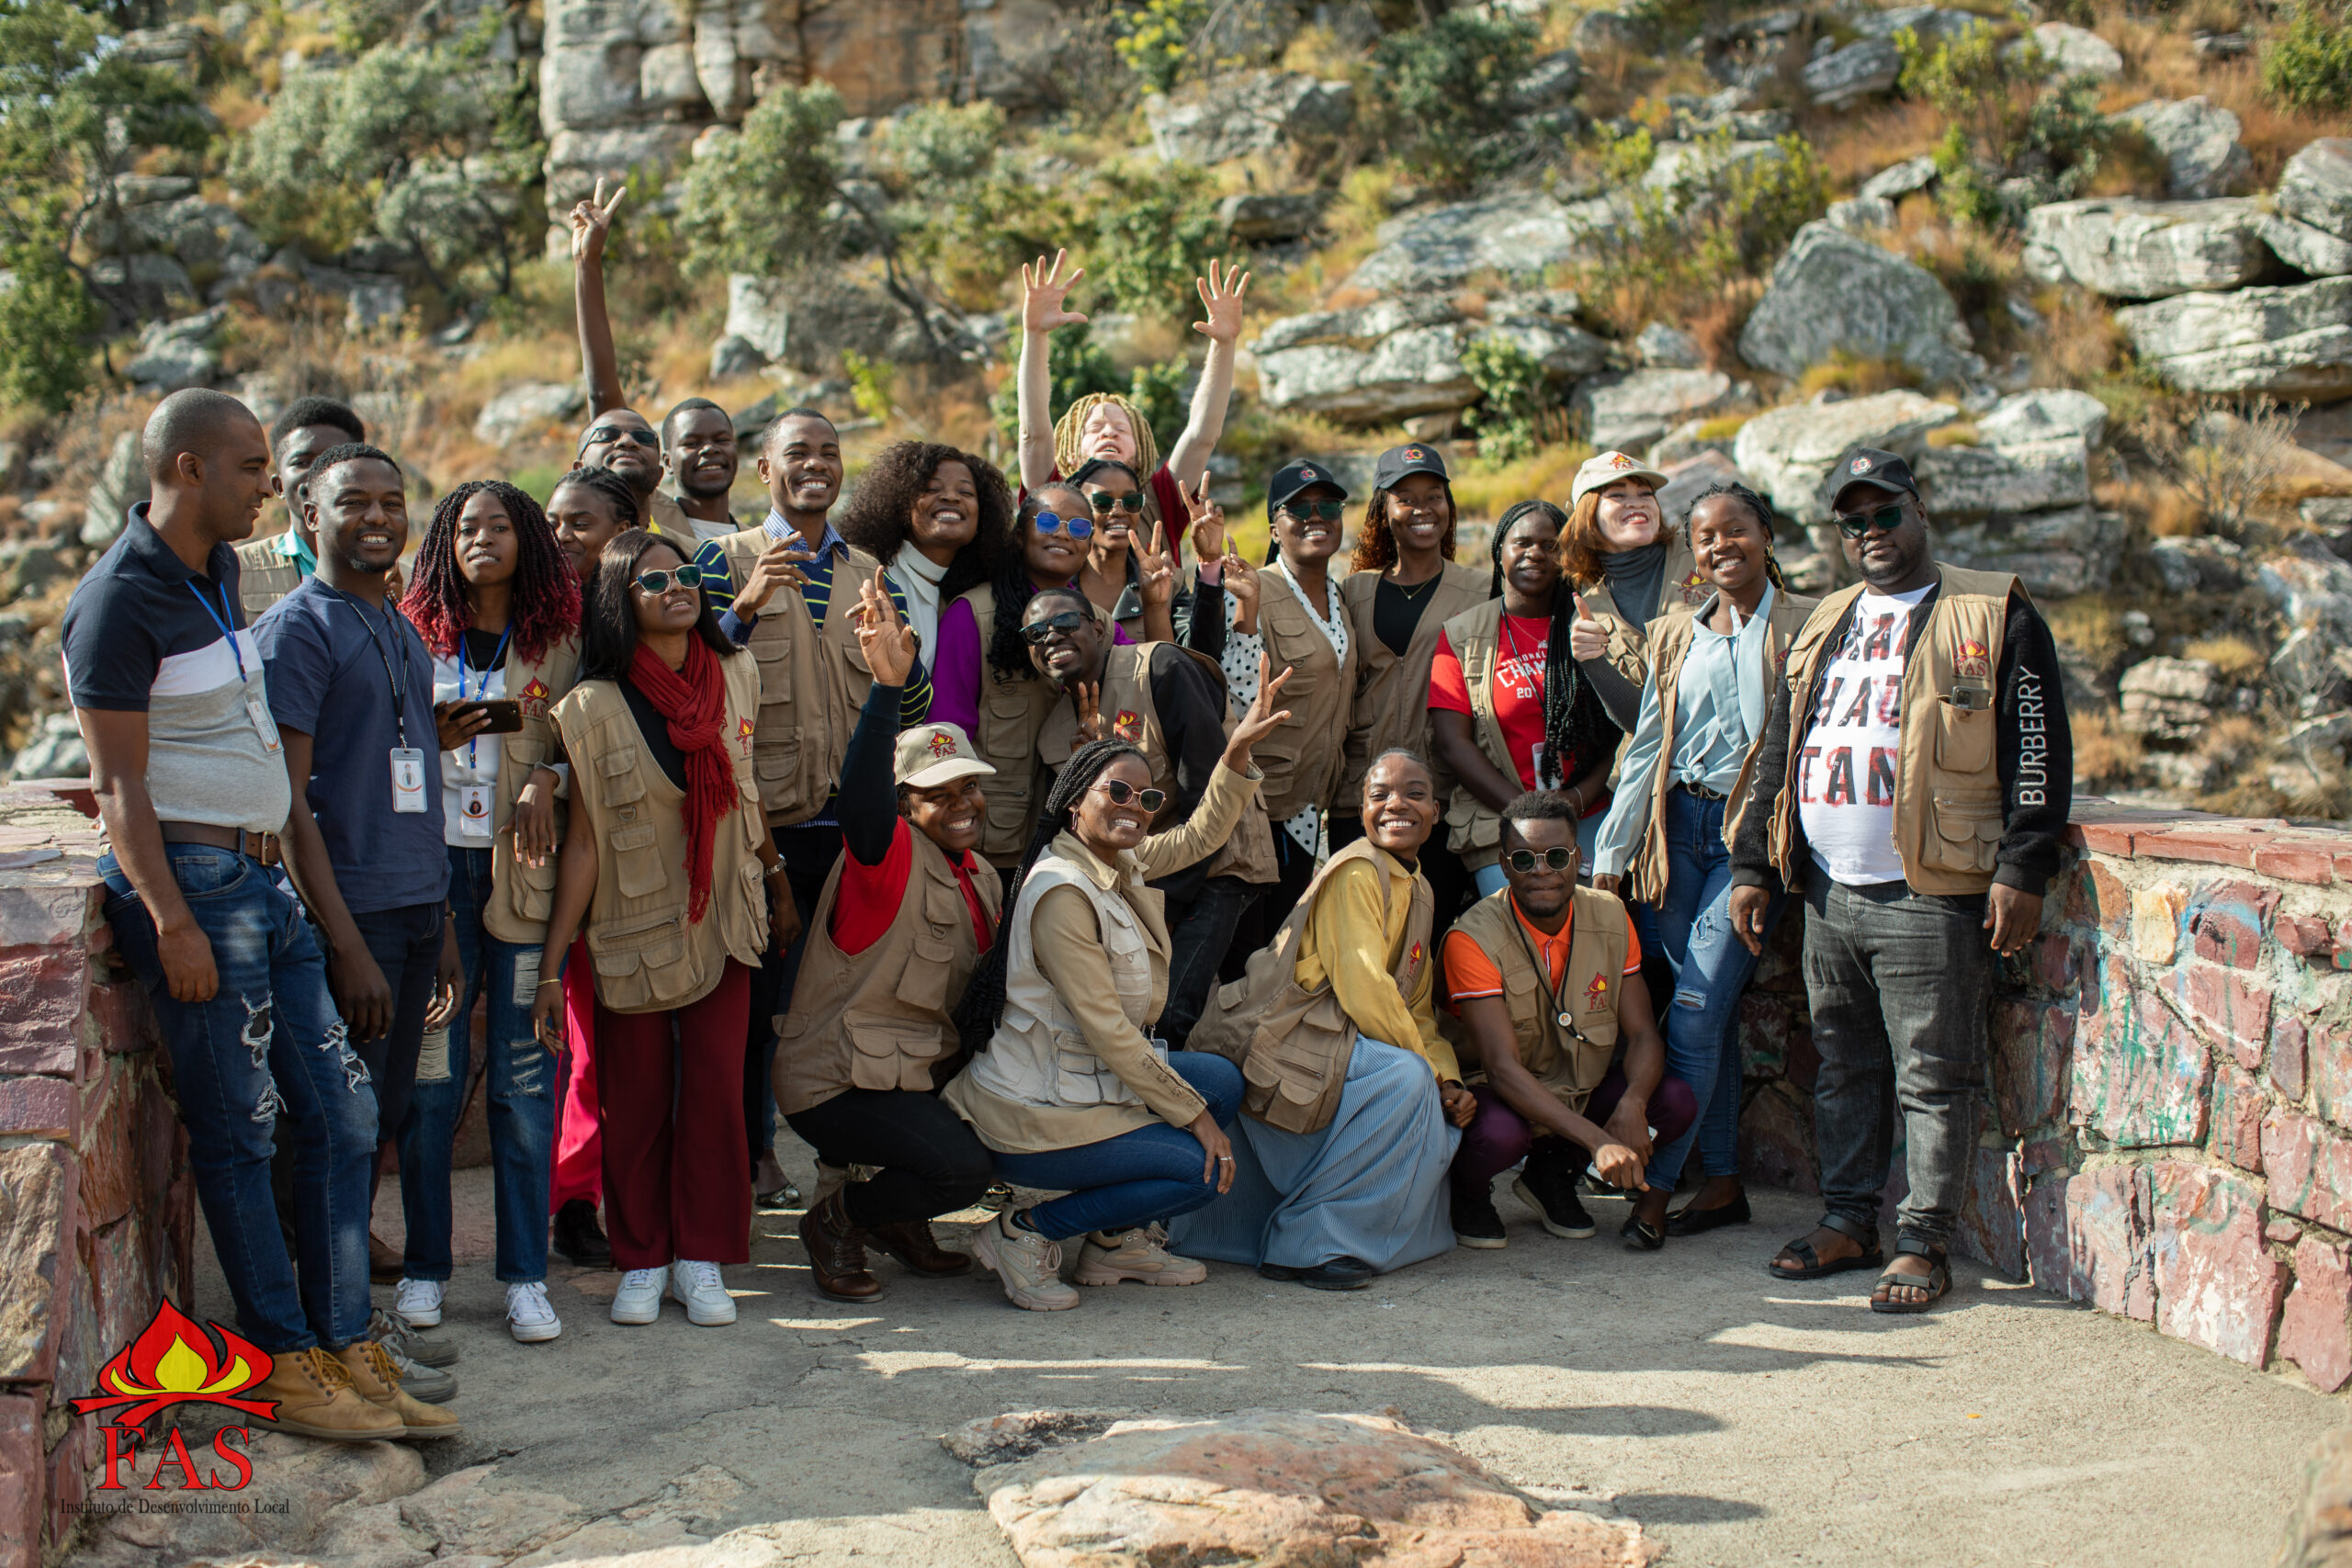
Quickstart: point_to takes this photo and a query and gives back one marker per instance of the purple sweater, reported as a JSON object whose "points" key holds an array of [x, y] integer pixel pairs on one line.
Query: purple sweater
{"points": [[956, 672]]}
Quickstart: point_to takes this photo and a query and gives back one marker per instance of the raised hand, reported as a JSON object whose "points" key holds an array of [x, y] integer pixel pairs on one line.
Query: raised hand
{"points": [[1208, 520], [1086, 701], [1262, 717], [1043, 289], [1222, 300], [592, 219], [1586, 638], [1157, 569], [890, 645], [1240, 580]]}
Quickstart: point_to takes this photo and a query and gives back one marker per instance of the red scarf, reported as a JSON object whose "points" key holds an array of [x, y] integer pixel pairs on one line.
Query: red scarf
{"points": [[694, 702]]}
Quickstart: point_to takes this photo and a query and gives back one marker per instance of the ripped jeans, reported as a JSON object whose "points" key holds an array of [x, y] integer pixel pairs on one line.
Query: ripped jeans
{"points": [[519, 1089], [268, 1044]]}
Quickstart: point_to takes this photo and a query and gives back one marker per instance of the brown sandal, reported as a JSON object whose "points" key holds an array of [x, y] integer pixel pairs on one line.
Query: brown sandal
{"points": [[1936, 1282]]}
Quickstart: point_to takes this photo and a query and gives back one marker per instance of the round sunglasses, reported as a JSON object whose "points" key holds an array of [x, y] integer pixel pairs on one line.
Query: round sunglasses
{"points": [[1524, 861], [1054, 523], [657, 583], [1121, 792]]}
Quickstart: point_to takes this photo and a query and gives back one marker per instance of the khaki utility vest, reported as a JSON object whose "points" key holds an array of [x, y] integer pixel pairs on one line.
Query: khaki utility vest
{"points": [[1551, 1054], [1303, 757], [1680, 587], [521, 896], [264, 576], [813, 680], [1012, 711], [1291, 1043], [1392, 697], [1949, 814], [1670, 640], [1127, 711], [879, 1018], [1474, 830], [649, 957]]}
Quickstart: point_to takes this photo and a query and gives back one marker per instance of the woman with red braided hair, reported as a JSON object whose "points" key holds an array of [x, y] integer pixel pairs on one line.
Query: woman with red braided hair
{"points": [[496, 600]]}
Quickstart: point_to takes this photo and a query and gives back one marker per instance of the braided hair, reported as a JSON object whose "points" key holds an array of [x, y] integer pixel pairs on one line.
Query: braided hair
{"points": [[1008, 655], [1575, 723], [982, 1008], [628, 510], [1071, 427], [1762, 512], [546, 597]]}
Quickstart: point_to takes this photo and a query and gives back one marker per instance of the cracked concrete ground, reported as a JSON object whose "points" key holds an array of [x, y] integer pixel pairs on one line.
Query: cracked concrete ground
{"points": [[1741, 1420]]}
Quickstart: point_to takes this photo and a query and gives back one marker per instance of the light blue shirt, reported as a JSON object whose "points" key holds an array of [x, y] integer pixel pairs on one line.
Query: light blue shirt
{"points": [[1719, 708]]}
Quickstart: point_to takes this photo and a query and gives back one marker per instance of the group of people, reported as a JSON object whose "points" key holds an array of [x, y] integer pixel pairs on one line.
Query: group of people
{"points": [[990, 836]]}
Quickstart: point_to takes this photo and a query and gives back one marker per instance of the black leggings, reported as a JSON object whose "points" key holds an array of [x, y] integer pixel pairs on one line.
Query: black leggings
{"points": [[930, 1162]]}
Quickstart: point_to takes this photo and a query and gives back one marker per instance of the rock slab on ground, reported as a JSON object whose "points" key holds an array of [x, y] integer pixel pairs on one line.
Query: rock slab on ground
{"points": [[521, 409], [2315, 187], [1834, 293], [1251, 111], [2290, 343], [2146, 250], [2199, 142], [1787, 452], [1519, 234]]}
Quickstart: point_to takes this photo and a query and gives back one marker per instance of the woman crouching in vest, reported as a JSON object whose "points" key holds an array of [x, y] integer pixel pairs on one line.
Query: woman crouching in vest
{"points": [[1627, 567], [495, 600], [1667, 838], [1340, 1164], [903, 921], [1508, 710], [1070, 1092], [660, 727]]}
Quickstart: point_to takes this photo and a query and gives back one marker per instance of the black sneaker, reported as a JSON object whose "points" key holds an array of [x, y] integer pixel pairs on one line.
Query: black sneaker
{"points": [[1550, 1189], [1475, 1223]]}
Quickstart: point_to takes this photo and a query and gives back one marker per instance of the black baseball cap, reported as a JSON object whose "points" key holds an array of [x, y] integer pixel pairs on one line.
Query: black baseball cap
{"points": [[1399, 461], [1882, 470], [1298, 474]]}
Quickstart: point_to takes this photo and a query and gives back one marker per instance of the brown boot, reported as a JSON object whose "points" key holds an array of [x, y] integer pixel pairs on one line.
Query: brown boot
{"points": [[378, 1382], [315, 1399], [911, 1243], [837, 1253], [383, 1260]]}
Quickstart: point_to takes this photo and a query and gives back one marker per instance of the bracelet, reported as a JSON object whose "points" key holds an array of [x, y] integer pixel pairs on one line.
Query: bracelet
{"points": [[557, 981]]}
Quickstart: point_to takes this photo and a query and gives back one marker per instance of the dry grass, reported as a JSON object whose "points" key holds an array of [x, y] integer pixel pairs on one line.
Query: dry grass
{"points": [[2078, 343], [1486, 493], [1856, 376], [2234, 657], [2089, 627], [2104, 752], [2160, 61], [1857, 146]]}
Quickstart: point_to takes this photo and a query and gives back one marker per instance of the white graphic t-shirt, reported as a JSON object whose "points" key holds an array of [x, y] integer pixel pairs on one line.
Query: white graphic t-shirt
{"points": [[1845, 771]]}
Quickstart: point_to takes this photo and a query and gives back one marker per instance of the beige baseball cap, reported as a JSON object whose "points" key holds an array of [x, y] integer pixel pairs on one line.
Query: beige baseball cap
{"points": [[1605, 468], [934, 754]]}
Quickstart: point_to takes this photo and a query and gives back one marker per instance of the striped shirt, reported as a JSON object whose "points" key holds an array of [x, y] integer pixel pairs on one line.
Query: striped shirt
{"points": [[914, 702]]}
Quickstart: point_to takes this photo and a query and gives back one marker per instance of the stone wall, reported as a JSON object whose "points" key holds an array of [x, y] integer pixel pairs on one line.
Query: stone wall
{"points": [[96, 1211], [2168, 1133]]}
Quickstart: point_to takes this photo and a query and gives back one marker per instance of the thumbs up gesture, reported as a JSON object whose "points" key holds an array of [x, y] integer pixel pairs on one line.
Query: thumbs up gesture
{"points": [[1586, 638]]}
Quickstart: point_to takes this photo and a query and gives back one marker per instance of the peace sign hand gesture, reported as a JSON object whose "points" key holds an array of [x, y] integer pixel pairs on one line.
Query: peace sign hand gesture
{"points": [[1043, 289], [1157, 569], [591, 219], [1086, 700], [1208, 520], [1222, 300], [889, 643], [1261, 719]]}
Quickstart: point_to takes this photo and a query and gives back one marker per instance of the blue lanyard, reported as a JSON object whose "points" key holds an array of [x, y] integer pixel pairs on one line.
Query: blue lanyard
{"points": [[497, 663], [227, 629]]}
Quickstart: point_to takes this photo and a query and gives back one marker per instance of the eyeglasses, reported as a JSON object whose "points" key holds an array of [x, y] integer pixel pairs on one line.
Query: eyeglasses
{"points": [[1524, 861], [1103, 500], [1329, 510], [1037, 633], [605, 434], [1854, 524], [1121, 792], [1054, 523], [655, 583]]}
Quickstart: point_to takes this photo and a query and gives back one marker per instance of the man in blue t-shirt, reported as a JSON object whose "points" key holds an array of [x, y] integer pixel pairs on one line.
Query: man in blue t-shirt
{"points": [[351, 686], [170, 692]]}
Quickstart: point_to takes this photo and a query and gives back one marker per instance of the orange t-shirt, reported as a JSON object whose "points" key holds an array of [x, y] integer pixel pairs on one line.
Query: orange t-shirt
{"points": [[1470, 973]]}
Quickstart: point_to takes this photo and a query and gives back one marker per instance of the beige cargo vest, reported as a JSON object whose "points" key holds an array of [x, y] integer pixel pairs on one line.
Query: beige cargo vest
{"points": [[1551, 1054], [1293, 1045], [1304, 757], [1012, 711], [1392, 696], [649, 957], [1949, 814], [1670, 641], [1680, 587], [264, 576], [1127, 711], [880, 1019], [521, 896], [813, 680], [1474, 831], [1039, 1056]]}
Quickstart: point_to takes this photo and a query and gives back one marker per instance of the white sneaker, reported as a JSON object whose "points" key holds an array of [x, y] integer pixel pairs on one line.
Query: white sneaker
{"points": [[1026, 1264], [529, 1316], [698, 1288], [418, 1302], [639, 1298], [1140, 1254]]}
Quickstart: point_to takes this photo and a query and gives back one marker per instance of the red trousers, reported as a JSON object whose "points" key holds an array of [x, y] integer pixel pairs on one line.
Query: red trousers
{"points": [[578, 1148], [677, 1171]]}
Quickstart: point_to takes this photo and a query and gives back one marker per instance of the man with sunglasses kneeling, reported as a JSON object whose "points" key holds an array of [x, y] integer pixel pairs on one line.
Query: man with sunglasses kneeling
{"points": [[1912, 783], [1547, 978]]}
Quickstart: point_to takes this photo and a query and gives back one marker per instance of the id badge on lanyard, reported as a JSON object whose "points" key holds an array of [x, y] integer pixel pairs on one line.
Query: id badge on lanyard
{"points": [[408, 780], [473, 810]]}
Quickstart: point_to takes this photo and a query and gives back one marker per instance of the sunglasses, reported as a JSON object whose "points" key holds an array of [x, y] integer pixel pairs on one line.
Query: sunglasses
{"points": [[1854, 524], [1121, 792], [1036, 634], [655, 583], [1329, 510], [1103, 500], [605, 434], [1054, 523], [1525, 861]]}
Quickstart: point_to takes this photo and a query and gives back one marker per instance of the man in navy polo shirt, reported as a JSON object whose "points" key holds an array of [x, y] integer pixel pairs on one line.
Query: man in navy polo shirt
{"points": [[168, 688]]}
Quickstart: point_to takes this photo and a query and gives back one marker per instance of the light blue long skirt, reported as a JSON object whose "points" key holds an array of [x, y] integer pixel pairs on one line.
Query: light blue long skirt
{"points": [[1371, 1185]]}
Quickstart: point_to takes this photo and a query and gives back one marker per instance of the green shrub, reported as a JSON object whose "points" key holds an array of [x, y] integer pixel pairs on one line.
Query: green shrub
{"points": [[1447, 91], [1154, 229], [961, 216], [1723, 219], [764, 200], [1514, 398], [2012, 144], [1156, 39], [2309, 65]]}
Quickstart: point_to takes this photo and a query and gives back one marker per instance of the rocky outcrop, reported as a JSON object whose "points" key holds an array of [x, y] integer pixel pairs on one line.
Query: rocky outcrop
{"points": [[1245, 113], [1786, 452], [1834, 293], [2315, 187], [1847, 76], [2290, 343], [2199, 142], [2170, 699], [2146, 250], [1979, 481], [2054, 554], [1521, 234], [1899, 180], [2070, 50], [1402, 356], [1629, 410], [526, 410], [176, 354], [2304, 248]]}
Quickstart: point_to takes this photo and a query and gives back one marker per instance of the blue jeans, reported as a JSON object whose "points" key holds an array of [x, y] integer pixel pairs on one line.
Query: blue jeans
{"points": [[1690, 930], [1152, 1173], [269, 1043], [521, 1085]]}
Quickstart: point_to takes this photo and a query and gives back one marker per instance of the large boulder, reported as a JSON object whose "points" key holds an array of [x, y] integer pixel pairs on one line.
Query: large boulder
{"points": [[1863, 69], [2199, 142], [1933, 24], [519, 410], [1787, 452], [2315, 187], [172, 354], [2045, 414], [2070, 50], [1250, 111], [1258, 218], [1517, 233], [1898, 180], [2146, 250], [2304, 248], [1542, 321], [2290, 343], [585, 86], [1988, 481], [1416, 371], [1630, 410], [2054, 554], [1359, 328], [1663, 347], [1835, 293], [54, 751], [1695, 166], [758, 313]]}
